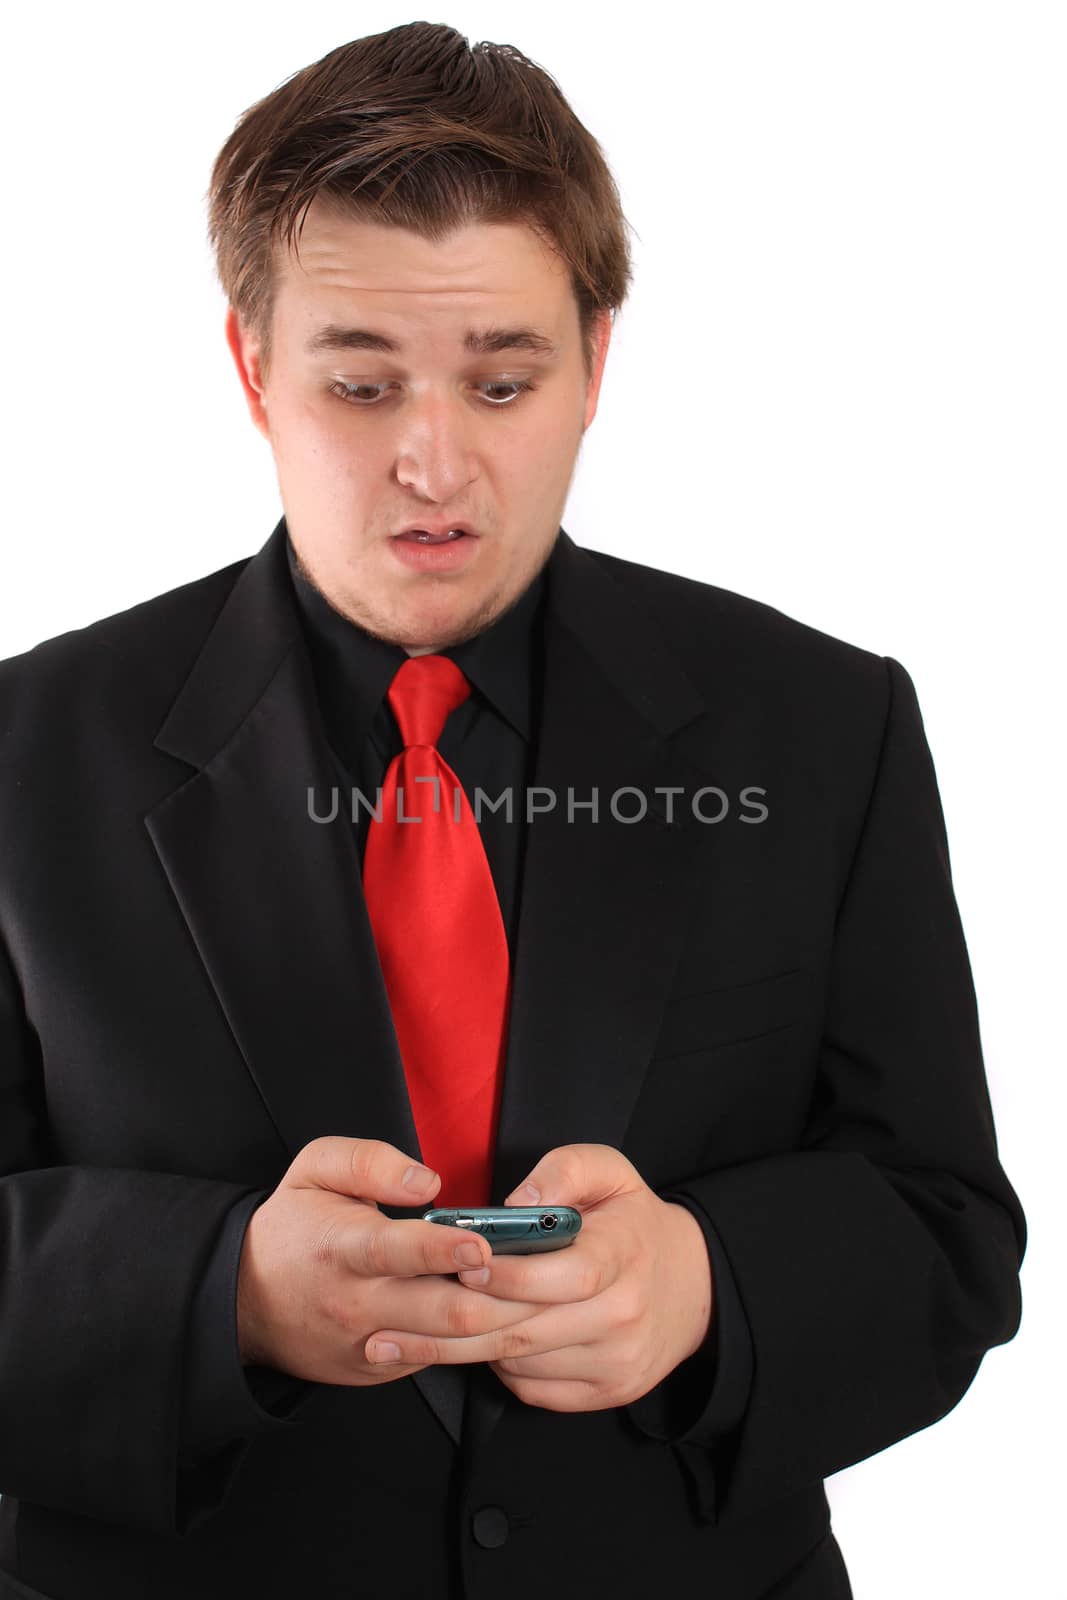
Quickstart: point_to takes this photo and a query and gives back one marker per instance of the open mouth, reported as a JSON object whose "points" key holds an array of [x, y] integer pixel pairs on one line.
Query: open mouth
{"points": [[418, 536], [435, 550]]}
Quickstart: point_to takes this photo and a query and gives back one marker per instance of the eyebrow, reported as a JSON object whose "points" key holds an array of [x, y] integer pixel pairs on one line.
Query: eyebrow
{"points": [[478, 341]]}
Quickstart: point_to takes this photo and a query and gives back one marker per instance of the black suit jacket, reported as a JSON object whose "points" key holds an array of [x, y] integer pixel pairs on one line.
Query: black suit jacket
{"points": [[488, 743], [772, 1017]]}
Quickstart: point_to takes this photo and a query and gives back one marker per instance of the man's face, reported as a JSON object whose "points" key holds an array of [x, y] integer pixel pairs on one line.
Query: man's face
{"points": [[370, 441]]}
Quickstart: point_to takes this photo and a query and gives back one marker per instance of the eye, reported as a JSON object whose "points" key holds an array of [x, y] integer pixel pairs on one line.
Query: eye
{"points": [[350, 391], [354, 392], [521, 387]]}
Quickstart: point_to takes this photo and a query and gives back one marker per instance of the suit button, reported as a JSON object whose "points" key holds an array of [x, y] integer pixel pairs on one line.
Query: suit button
{"points": [[490, 1526]]}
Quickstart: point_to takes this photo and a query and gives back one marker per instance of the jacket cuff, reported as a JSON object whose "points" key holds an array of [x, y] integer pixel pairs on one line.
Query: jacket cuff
{"points": [[221, 1398]]}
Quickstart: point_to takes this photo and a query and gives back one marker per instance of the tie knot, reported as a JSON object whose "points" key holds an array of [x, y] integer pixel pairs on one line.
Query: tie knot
{"points": [[423, 692]]}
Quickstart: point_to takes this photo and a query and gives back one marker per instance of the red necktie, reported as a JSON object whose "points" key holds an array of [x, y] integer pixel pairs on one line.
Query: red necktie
{"points": [[436, 920]]}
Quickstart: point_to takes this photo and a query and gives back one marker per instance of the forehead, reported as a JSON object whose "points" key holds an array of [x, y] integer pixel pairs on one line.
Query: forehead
{"points": [[499, 269]]}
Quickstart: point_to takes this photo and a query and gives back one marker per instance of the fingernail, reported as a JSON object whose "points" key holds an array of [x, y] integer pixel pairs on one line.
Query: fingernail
{"points": [[418, 1178], [469, 1254], [384, 1352], [481, 1276], [527, 1195]]}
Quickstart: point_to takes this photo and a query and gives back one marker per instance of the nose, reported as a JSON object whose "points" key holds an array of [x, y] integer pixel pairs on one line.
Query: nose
{"points": [[435, 454]]}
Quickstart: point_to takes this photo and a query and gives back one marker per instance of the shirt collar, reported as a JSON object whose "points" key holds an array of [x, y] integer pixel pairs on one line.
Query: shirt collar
{"points": [[353, 669]]}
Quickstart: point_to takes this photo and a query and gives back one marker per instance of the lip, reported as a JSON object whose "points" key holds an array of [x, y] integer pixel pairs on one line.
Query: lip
{"points": [[436, 527], [451, 555]]}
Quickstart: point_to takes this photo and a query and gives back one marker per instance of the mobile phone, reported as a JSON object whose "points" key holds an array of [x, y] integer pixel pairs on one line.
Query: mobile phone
{"points": [[514, 1230]]}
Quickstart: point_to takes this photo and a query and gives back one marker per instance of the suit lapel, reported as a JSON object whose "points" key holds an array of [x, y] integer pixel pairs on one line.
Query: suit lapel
{"points": [[602, 914], [272, 898], [599, 932], [274, 903]]}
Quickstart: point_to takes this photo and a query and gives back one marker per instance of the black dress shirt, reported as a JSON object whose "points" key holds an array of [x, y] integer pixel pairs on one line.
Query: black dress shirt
{"points": [[489, 741]]}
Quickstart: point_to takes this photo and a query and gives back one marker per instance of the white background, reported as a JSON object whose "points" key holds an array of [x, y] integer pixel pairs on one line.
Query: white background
{"points": [[838, 386]]}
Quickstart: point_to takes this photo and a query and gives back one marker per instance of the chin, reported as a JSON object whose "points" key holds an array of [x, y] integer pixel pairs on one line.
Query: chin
{"points": [[441, 637], [445, 625], [423, 632]]}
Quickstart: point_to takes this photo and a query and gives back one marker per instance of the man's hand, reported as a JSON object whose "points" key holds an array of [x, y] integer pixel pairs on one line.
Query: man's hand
{"points": [[321, 1268], [622, 1306]]}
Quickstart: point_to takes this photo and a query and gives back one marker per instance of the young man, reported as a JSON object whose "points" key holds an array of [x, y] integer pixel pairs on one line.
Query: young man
{"points": [[426, 836]]}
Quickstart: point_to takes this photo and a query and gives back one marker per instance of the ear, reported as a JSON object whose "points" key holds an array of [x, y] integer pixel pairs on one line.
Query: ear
{"points": [[601, 340], [244, 347]]}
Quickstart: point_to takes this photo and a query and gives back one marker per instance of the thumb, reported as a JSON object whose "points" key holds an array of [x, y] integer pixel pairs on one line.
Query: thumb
{"points": [[576, 1175], [366, 1169]]}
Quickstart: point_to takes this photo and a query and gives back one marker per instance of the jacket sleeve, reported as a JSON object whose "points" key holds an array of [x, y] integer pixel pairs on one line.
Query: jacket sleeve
{"points": [[224, 1402], [99, 1268], [706, 1395], [878, 1261], [221, 1397]]}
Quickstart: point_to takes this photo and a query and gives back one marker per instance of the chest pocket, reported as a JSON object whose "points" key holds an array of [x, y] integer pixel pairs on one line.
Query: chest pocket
{"points": [[730, 1014]]}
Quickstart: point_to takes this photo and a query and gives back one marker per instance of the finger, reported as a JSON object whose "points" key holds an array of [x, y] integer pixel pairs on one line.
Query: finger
{"points": [[553, 1328], [439, 1308], [385, 1247], [421, 1318], [577, 1363], [554, 1394], [579, 1271]]}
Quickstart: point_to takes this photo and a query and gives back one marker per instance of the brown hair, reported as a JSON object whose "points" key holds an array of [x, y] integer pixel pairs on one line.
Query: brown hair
{"points": [[417, 128]]}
